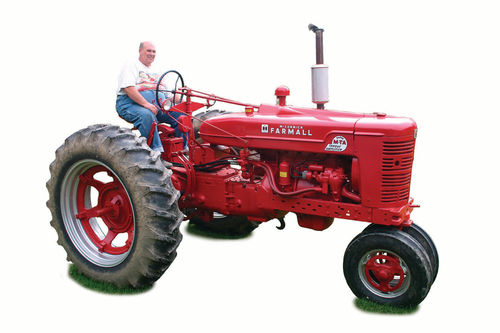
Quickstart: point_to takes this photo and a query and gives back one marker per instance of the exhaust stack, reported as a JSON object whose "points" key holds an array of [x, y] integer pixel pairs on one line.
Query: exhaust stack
{"points": [[319, 72]]}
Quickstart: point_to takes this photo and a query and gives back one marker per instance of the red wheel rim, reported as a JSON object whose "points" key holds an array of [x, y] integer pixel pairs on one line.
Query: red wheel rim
{"points": [[111, 218], [384, 272]]}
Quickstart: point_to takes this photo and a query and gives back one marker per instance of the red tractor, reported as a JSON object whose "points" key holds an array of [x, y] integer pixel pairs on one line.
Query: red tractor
{"points": [[117, 205]]}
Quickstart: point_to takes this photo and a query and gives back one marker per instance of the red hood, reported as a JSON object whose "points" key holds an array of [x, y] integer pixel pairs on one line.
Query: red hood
{"points": [[300, 129]]}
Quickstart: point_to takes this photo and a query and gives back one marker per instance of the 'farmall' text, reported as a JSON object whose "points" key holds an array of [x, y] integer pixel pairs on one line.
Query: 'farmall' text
{"points": [[286, 130]]}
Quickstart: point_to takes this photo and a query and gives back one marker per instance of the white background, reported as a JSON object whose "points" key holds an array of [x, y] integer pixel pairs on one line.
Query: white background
{"points": [[435, 61]]}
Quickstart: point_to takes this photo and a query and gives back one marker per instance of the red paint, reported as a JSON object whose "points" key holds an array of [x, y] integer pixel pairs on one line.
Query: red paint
{"points": [[314, 222], [151, 132], [284, 173], [281, 92], [384, 272], [113, 208], [319, 164]]}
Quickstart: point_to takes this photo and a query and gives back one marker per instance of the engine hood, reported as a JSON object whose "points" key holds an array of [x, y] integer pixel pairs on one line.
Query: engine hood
{"points": [[300, 129]]}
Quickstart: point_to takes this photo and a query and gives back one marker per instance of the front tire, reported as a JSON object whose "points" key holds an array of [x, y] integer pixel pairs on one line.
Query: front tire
{"points": [[114, 207], [387, 267], [421, 237]]}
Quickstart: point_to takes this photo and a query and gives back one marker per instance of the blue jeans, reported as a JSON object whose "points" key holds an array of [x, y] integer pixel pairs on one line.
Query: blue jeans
{"points": [[143, 119]]}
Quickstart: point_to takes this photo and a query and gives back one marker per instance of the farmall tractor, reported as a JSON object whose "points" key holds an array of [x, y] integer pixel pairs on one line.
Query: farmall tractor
{"points": [[117, 205]]}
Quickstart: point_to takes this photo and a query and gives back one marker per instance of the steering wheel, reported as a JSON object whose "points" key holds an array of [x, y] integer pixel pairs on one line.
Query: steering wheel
{"points": [[165, 82]]}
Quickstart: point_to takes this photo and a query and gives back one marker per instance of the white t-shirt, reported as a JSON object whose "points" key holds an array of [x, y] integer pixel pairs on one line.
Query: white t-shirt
{"points": [[135, 73]]}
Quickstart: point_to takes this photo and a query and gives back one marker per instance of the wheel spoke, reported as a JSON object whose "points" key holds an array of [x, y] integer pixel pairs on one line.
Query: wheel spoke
{"points": [[128, 243], [372, 265], [89, 180], [105, 244], [110, 236], [384, 286], [86, 214]]}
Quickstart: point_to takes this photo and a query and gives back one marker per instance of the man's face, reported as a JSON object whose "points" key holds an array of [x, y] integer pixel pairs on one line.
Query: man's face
{"points": [[147, 53]]}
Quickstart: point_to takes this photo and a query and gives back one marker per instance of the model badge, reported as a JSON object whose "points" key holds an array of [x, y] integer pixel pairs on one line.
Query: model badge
{"points": [[339, 143]]}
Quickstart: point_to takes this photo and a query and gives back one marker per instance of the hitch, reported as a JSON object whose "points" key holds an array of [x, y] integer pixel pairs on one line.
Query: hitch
{"points": [[282, 224]]}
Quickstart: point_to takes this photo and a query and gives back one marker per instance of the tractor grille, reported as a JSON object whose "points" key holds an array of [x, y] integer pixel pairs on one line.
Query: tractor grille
{"points": [[397, 161]]}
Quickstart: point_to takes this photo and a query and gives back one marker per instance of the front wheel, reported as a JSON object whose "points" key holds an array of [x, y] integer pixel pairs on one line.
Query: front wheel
{"points": [[421, 237], [387, 267], [114, 207]]}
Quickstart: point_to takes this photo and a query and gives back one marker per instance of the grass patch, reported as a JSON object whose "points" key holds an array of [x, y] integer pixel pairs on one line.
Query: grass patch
{"points": [[103, 287], [372, 307]]}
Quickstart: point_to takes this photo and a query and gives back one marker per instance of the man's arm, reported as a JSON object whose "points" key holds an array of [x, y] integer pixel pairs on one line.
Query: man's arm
{"points": [[134, 95]]}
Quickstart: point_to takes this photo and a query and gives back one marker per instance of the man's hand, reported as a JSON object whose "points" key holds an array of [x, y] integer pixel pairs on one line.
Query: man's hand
{"points": [[151, 107], [177, 98], [134, 95]]}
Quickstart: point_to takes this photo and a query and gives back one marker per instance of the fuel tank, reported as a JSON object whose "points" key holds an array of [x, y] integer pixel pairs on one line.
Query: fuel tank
{"points": [[302, 129]]}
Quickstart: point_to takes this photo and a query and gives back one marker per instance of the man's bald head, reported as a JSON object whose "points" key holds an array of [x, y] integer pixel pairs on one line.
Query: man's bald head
{"points": [[147, 53]]}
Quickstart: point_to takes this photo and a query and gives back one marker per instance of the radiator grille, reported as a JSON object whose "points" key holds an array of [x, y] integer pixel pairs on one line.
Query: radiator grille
{"points": [[397, 161]]}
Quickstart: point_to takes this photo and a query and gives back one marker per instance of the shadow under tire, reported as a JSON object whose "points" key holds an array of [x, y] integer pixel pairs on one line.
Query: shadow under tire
{"points": [[388, 267], [114, 207], [231, 225]]}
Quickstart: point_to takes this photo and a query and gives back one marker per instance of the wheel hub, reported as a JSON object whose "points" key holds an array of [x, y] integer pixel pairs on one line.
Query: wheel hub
{"points": [[118, 216], [384, 272], [113, 208]]}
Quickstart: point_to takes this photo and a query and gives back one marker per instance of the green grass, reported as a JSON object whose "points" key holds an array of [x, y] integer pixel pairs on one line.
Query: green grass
{"points": [[103, 287], [372, 307], [108, 288]]}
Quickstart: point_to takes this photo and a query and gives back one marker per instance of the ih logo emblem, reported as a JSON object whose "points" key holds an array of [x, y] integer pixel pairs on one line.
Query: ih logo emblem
{"points": [[339, 143], [264, 128]]}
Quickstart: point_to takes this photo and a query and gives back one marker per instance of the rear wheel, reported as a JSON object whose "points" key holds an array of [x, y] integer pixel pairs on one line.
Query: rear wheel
{"points": [[387, 267], [114, 207]]}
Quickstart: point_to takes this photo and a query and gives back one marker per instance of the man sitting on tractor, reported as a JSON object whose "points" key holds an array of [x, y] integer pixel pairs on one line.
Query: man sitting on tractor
{"points": [[136, 101]]}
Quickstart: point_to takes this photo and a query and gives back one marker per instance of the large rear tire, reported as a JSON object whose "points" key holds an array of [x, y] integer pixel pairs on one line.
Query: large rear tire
{"points": [[114, 207]]}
